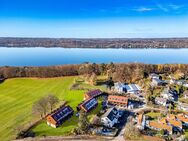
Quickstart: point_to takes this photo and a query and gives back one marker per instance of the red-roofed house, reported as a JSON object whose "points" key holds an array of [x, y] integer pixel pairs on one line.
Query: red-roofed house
{"points": [[93, 94], [118, 100]]}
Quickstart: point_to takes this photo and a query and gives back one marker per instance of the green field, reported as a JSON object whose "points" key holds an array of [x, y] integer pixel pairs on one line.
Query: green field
{"points": [[18, 95]]}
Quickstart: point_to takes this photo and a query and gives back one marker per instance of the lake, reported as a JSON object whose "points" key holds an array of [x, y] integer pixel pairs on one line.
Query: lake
{"points": [[60, 56]]}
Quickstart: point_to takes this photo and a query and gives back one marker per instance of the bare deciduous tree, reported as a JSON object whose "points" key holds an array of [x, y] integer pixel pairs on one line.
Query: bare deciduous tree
{"points": [[40, 107], [52, 101]]}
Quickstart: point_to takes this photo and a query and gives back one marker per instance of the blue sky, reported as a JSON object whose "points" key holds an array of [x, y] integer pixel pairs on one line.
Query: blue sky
{"points": [[94, 18]]}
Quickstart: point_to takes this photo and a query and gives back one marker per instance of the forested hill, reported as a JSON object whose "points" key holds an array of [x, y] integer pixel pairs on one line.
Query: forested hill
{"points": [[95, 43]]}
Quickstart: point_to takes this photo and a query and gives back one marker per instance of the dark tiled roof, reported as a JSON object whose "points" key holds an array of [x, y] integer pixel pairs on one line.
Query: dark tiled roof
{"points": [[111, 113], [62, 113], [94, 93], [89, 104]]}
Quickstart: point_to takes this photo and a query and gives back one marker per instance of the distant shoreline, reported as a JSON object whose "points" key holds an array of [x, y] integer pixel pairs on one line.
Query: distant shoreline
{"points": [[125, 43]]}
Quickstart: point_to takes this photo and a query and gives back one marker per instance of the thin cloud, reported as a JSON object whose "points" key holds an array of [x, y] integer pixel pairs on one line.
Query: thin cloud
{"points": [[163, 8], [175, 7], [143, 9], [170, 7]]}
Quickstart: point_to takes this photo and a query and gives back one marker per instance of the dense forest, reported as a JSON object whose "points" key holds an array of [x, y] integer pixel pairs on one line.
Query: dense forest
{"points": [[95, 43], [120, 72]]}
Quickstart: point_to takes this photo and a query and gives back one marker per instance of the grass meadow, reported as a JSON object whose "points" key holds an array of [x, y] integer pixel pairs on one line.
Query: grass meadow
{"points": [[18, 95]]}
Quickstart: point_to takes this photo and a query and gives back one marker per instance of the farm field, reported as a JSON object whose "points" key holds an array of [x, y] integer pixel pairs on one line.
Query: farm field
{"points": [[17, 96]]}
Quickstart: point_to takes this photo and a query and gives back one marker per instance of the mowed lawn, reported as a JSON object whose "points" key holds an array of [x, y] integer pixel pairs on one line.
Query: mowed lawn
{"points": [[18, 95], [43, 129]]}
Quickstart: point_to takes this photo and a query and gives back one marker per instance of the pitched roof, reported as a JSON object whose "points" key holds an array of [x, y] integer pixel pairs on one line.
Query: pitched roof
{"points": [[119, 84], [89, 104], [140, 118], [111, 113], [171, 116], [94, 93], [158, 80], [118, 99], [182, 117], [175, 123], [160, 126], [172, 120], [60, 114], [132, 87], [185, 105], [161, 99]]}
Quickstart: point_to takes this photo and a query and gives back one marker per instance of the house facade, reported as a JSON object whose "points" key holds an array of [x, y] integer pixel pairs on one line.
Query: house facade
{"points": [[157, 82], [132, 88], [170, 94], [110, 118], [183, 106], [121, 101], [161, 101], [183, 118], [172, 121], [141, 121], [119, 87], [185, 94], [59, 116], [153, 75], [158, 126]]}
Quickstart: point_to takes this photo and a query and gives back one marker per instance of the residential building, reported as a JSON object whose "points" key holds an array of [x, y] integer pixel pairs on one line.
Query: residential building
{"points": [[154, 75], [159, 126], [158, 82], [173, 121], [183, 118], [185, 94], [59, 116], [110, 117], [93, 94], [132, 88], [124, 88], [181, 82], [140, 121], [183, 106], [178, 82], [119, 87], [185, 85], [88, 105], [161, 101], [118, 100], [170, 94]]}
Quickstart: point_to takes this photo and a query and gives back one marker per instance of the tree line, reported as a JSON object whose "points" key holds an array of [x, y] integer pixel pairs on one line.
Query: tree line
{"points": [[121, 72]]}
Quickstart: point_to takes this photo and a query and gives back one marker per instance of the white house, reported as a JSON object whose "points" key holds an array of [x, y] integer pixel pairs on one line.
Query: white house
{"points": [[119, 87], [161, 101], [185, 94], [110, 117], [132, 88], [183, 106], [158, 82], [154, 75], [170, 94]]}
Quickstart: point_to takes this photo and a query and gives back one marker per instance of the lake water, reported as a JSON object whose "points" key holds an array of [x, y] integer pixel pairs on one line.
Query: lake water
{"points": [[60, 56]]}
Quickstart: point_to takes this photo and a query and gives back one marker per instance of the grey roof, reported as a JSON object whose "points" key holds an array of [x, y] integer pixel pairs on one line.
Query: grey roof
{"points": [[89, 104], [132, 87], [110, 113], [62, 113], [158, 80]]}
